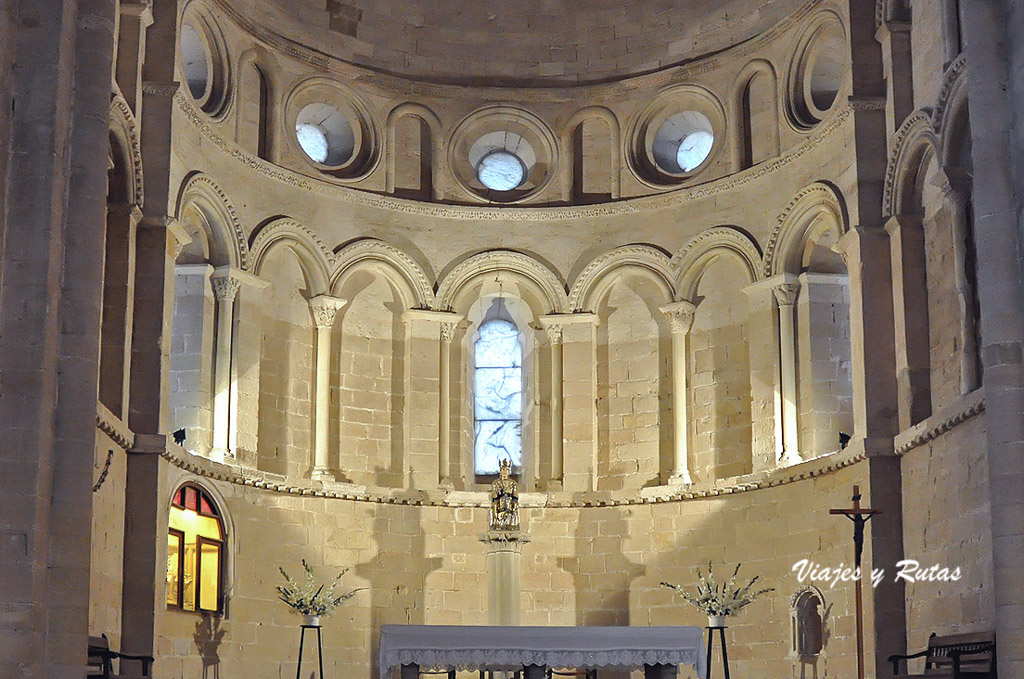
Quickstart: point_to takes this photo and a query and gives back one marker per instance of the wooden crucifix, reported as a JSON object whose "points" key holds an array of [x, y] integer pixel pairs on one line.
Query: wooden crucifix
{"points": [[860, 516]]}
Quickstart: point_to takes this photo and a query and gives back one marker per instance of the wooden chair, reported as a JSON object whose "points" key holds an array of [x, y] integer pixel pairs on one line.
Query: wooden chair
{"points": [[966, 656], [101, 659]]}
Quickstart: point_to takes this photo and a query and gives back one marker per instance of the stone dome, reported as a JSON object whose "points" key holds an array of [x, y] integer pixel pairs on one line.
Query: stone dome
{"points": [[529, 42]]}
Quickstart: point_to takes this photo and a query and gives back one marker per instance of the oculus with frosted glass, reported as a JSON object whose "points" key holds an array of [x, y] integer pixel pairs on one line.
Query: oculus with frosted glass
{"points": [[498, 396]]}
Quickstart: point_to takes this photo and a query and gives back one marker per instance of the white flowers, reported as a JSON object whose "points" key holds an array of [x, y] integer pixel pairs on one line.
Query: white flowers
{"points": [[714, 599], [308, 598]]}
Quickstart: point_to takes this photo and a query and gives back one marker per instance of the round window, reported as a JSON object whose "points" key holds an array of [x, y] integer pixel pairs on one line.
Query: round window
{"points": [[683, 142], [194, 61], [501, 171], [817, 73], [325, 134]]}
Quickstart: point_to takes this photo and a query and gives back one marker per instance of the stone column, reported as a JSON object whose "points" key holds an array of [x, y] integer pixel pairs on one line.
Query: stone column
{"points": [[785, 295], [680, 316], [504, 553], [324, 309], [225, 287], [553, 329], [910, 299], [444, 418]]}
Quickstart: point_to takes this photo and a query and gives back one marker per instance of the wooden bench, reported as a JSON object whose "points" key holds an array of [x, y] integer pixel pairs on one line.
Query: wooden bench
{"points": [[970, 656], [101, 659]]}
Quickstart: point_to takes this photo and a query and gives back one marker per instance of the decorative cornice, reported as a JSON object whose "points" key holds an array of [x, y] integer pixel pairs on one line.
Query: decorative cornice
{"points": [[159, 89], [924, 432], [525, 213], [859, 104], [820, 466]]}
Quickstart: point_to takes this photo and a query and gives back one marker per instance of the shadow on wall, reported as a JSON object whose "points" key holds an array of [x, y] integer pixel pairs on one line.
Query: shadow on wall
{"points": [[208, 636], [398, 573]]}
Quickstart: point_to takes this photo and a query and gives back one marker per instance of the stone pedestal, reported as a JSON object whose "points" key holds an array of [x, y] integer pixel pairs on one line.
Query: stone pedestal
{"points": [[504, 549]]}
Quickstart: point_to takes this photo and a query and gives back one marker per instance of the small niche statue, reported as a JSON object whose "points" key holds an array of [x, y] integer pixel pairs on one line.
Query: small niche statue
{"points": [[504, 500]]}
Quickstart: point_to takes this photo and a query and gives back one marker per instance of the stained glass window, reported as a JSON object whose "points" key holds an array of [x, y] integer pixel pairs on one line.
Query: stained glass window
{"points": [[499, 395], [195, 545]]}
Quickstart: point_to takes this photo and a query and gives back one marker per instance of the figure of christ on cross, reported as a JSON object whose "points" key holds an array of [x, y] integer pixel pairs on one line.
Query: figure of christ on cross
{"points": [[860, 516]]}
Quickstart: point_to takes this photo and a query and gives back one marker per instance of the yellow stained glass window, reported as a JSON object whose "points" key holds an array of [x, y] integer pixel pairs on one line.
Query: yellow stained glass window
{"points": [[194, 552]]}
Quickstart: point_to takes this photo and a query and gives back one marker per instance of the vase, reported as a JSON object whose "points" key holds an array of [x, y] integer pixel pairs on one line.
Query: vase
{"points": [[716, 621], [311, 620]]}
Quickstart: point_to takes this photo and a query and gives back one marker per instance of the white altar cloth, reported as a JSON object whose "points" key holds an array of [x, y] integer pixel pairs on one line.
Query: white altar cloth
{"points": [[467, 647]]}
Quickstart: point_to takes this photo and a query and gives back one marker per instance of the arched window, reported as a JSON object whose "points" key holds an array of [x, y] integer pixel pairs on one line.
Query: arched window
{"points": [[498, 395], [195, 552], [806, 620]]}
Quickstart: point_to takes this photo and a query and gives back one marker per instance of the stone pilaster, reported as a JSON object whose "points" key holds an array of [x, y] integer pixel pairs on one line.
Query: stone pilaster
{"points": [[579, 415], [324, 309], [765, 375], [444, 418], [680, 315]]}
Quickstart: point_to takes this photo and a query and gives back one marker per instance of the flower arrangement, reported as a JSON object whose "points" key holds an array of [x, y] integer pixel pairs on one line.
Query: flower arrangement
{"points": [[309, 599], [713, 599]]}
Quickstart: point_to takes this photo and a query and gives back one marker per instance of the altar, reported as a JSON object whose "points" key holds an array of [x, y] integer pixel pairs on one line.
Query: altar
{"points": [[659, 650]]}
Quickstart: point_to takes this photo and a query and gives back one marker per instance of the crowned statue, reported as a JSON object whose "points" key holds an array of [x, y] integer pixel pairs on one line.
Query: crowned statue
{"points": [[504, 500]]}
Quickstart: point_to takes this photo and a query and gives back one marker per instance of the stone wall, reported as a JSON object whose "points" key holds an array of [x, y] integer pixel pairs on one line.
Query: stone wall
{"points": [[585, 566]]}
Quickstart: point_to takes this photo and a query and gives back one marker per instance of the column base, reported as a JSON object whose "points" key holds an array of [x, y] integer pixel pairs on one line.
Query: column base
{"points": [[446, 483], [322, 475], [790, 458], [681, 479]]}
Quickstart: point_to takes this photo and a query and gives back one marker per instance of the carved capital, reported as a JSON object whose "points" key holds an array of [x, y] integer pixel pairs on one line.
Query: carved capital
{"points": [[225, 287], [448, 330], [680, 315], [324, 309], [554, 333], [786, 293]]}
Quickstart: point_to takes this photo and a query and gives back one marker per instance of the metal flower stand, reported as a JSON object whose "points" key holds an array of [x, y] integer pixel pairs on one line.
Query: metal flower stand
{"points": [[320, 650], [725, 653]]}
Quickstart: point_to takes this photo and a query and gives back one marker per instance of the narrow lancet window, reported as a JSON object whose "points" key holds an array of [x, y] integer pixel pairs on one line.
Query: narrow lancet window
{"points": [[499, 396]]}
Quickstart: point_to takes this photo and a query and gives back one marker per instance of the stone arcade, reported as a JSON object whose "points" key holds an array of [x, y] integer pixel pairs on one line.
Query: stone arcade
{"points": [[664, 255]]}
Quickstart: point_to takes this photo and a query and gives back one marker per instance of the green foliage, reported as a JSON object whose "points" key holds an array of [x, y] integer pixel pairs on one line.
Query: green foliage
{"points": [[714, 599], [309, 598]]}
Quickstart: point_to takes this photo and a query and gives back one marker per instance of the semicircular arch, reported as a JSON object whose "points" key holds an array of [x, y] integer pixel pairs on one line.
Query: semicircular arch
{"points": [[228, 245], [549, 289], [784, 251], [645, 257], [397, 266], [313, 256], [691, 261]]}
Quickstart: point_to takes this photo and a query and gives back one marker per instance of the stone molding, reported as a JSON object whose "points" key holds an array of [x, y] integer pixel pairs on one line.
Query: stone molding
{"points": [[316, 257], [688, 264], [126, 128], [375, 250], [552, 289], [819, 196], [234, 474], [199, 190], [667, 199], [112, 425], [643, 256], [926, 431], [160, 89], [915, 138]]}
